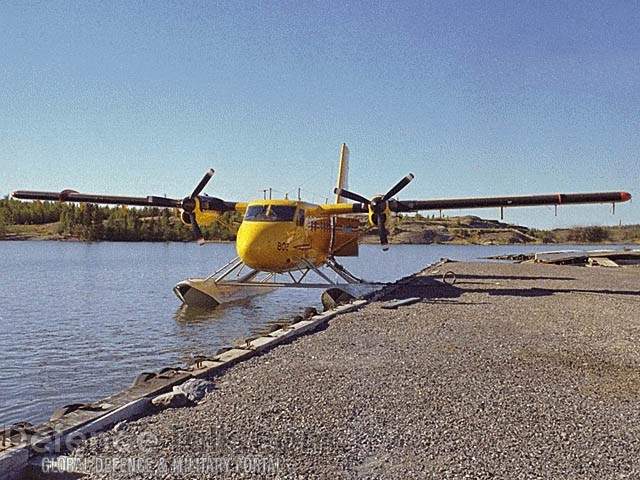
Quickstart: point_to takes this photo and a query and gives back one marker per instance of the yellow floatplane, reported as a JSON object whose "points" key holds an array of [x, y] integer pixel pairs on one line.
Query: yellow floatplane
{"points": [[289, 238]]}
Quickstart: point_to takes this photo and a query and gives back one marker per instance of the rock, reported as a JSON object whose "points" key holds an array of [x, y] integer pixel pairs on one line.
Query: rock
{"points": [[143, 377], [274, 327], [309, 312], [120, 426], [175, 399], [220, 351], [195, 389]]}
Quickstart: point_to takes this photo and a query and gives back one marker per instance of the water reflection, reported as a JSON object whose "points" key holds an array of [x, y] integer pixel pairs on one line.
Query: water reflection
{"points": [[186, 315]]}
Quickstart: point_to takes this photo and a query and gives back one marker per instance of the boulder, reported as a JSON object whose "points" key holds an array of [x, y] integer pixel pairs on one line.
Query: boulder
{"points": [[195, 389], [173, 399]]}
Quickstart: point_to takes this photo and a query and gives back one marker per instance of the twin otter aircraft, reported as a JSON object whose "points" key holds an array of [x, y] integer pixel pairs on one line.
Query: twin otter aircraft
{"points": [[294, 237]]}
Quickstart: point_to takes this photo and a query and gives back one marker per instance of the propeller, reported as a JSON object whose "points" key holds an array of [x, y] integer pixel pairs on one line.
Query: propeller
{"points": [[378, 204], [189, 205]]}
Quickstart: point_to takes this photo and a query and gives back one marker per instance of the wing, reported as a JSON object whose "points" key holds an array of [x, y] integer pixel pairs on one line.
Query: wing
{"points": [[482, 202], [205, 202], [190, 204], [380, 203], [73, 196], [193, 202], [195, 208], [380, 206], [514, 201]]}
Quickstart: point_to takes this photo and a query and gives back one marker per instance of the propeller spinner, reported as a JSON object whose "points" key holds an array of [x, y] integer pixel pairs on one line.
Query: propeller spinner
{"points": [[378, 205]]}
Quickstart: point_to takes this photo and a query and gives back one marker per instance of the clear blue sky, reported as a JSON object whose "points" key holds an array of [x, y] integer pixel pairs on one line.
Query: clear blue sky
{"points": [[475, 98]]}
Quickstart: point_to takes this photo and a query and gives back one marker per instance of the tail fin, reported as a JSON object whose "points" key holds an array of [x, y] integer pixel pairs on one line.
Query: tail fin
{"points": [[343, 172]]}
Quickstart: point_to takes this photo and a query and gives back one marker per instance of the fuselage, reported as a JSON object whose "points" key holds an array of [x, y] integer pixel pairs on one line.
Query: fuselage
{"points": [[275, 236]]}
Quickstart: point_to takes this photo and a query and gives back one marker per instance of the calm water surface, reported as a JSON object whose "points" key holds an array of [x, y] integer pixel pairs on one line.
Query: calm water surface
{"points": [[78, 321]]}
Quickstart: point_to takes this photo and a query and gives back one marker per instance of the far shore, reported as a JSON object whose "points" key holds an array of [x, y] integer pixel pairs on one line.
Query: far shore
{"points": [[465, 230], [365, 241]]}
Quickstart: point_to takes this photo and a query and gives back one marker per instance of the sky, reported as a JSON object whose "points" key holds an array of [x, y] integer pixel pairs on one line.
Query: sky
{"points": [[476, 98]]}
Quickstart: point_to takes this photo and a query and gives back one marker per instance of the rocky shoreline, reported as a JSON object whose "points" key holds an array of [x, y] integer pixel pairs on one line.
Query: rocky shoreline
{"points": [[466, 230], [516, 371]]}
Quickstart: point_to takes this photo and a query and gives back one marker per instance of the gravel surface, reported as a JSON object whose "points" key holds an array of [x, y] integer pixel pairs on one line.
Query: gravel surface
{"points": [[517, 371]]}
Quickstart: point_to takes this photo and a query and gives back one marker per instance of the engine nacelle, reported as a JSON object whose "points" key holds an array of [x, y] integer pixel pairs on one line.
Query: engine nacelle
{"points": [[203, 217], [373, 216]]}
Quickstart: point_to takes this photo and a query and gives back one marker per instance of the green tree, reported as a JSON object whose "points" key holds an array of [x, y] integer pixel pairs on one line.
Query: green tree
{"points": [[3, 223], [592, 234]]}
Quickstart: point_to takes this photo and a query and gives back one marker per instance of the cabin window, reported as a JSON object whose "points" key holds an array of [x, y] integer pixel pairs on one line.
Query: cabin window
{"points": [[270, 213], [300, 219]]}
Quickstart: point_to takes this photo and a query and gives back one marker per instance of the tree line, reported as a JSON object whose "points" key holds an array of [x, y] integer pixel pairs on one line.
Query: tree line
{"points": [[92, 222]]}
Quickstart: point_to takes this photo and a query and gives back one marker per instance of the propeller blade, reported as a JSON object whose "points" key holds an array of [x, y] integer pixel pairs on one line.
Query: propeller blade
{"points": [[196, 228], [203, 183], [399, 186], [351, 196], [383, 233]]}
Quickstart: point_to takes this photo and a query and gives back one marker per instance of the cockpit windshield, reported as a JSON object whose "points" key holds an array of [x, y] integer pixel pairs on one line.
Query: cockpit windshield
{"points": [[270, 213]]}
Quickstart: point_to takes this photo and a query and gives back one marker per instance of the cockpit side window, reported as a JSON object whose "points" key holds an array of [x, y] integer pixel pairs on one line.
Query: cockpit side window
{"points": [[300, 219], [270, 213]]}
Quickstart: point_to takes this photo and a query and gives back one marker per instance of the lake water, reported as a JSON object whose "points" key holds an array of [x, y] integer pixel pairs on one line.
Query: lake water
{"points": [[78, 321]]}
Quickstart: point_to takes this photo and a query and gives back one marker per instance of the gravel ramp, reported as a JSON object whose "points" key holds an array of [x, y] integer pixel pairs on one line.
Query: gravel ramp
{"points": [[516, 372]]}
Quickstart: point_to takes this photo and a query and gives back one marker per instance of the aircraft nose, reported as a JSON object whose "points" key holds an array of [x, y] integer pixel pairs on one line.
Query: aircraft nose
{"points": [[264, 246], [252, 246], [246, 249]]}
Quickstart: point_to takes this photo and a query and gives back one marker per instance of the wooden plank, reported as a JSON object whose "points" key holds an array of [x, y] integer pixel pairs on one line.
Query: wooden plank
{"points": [[602, 262]]}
